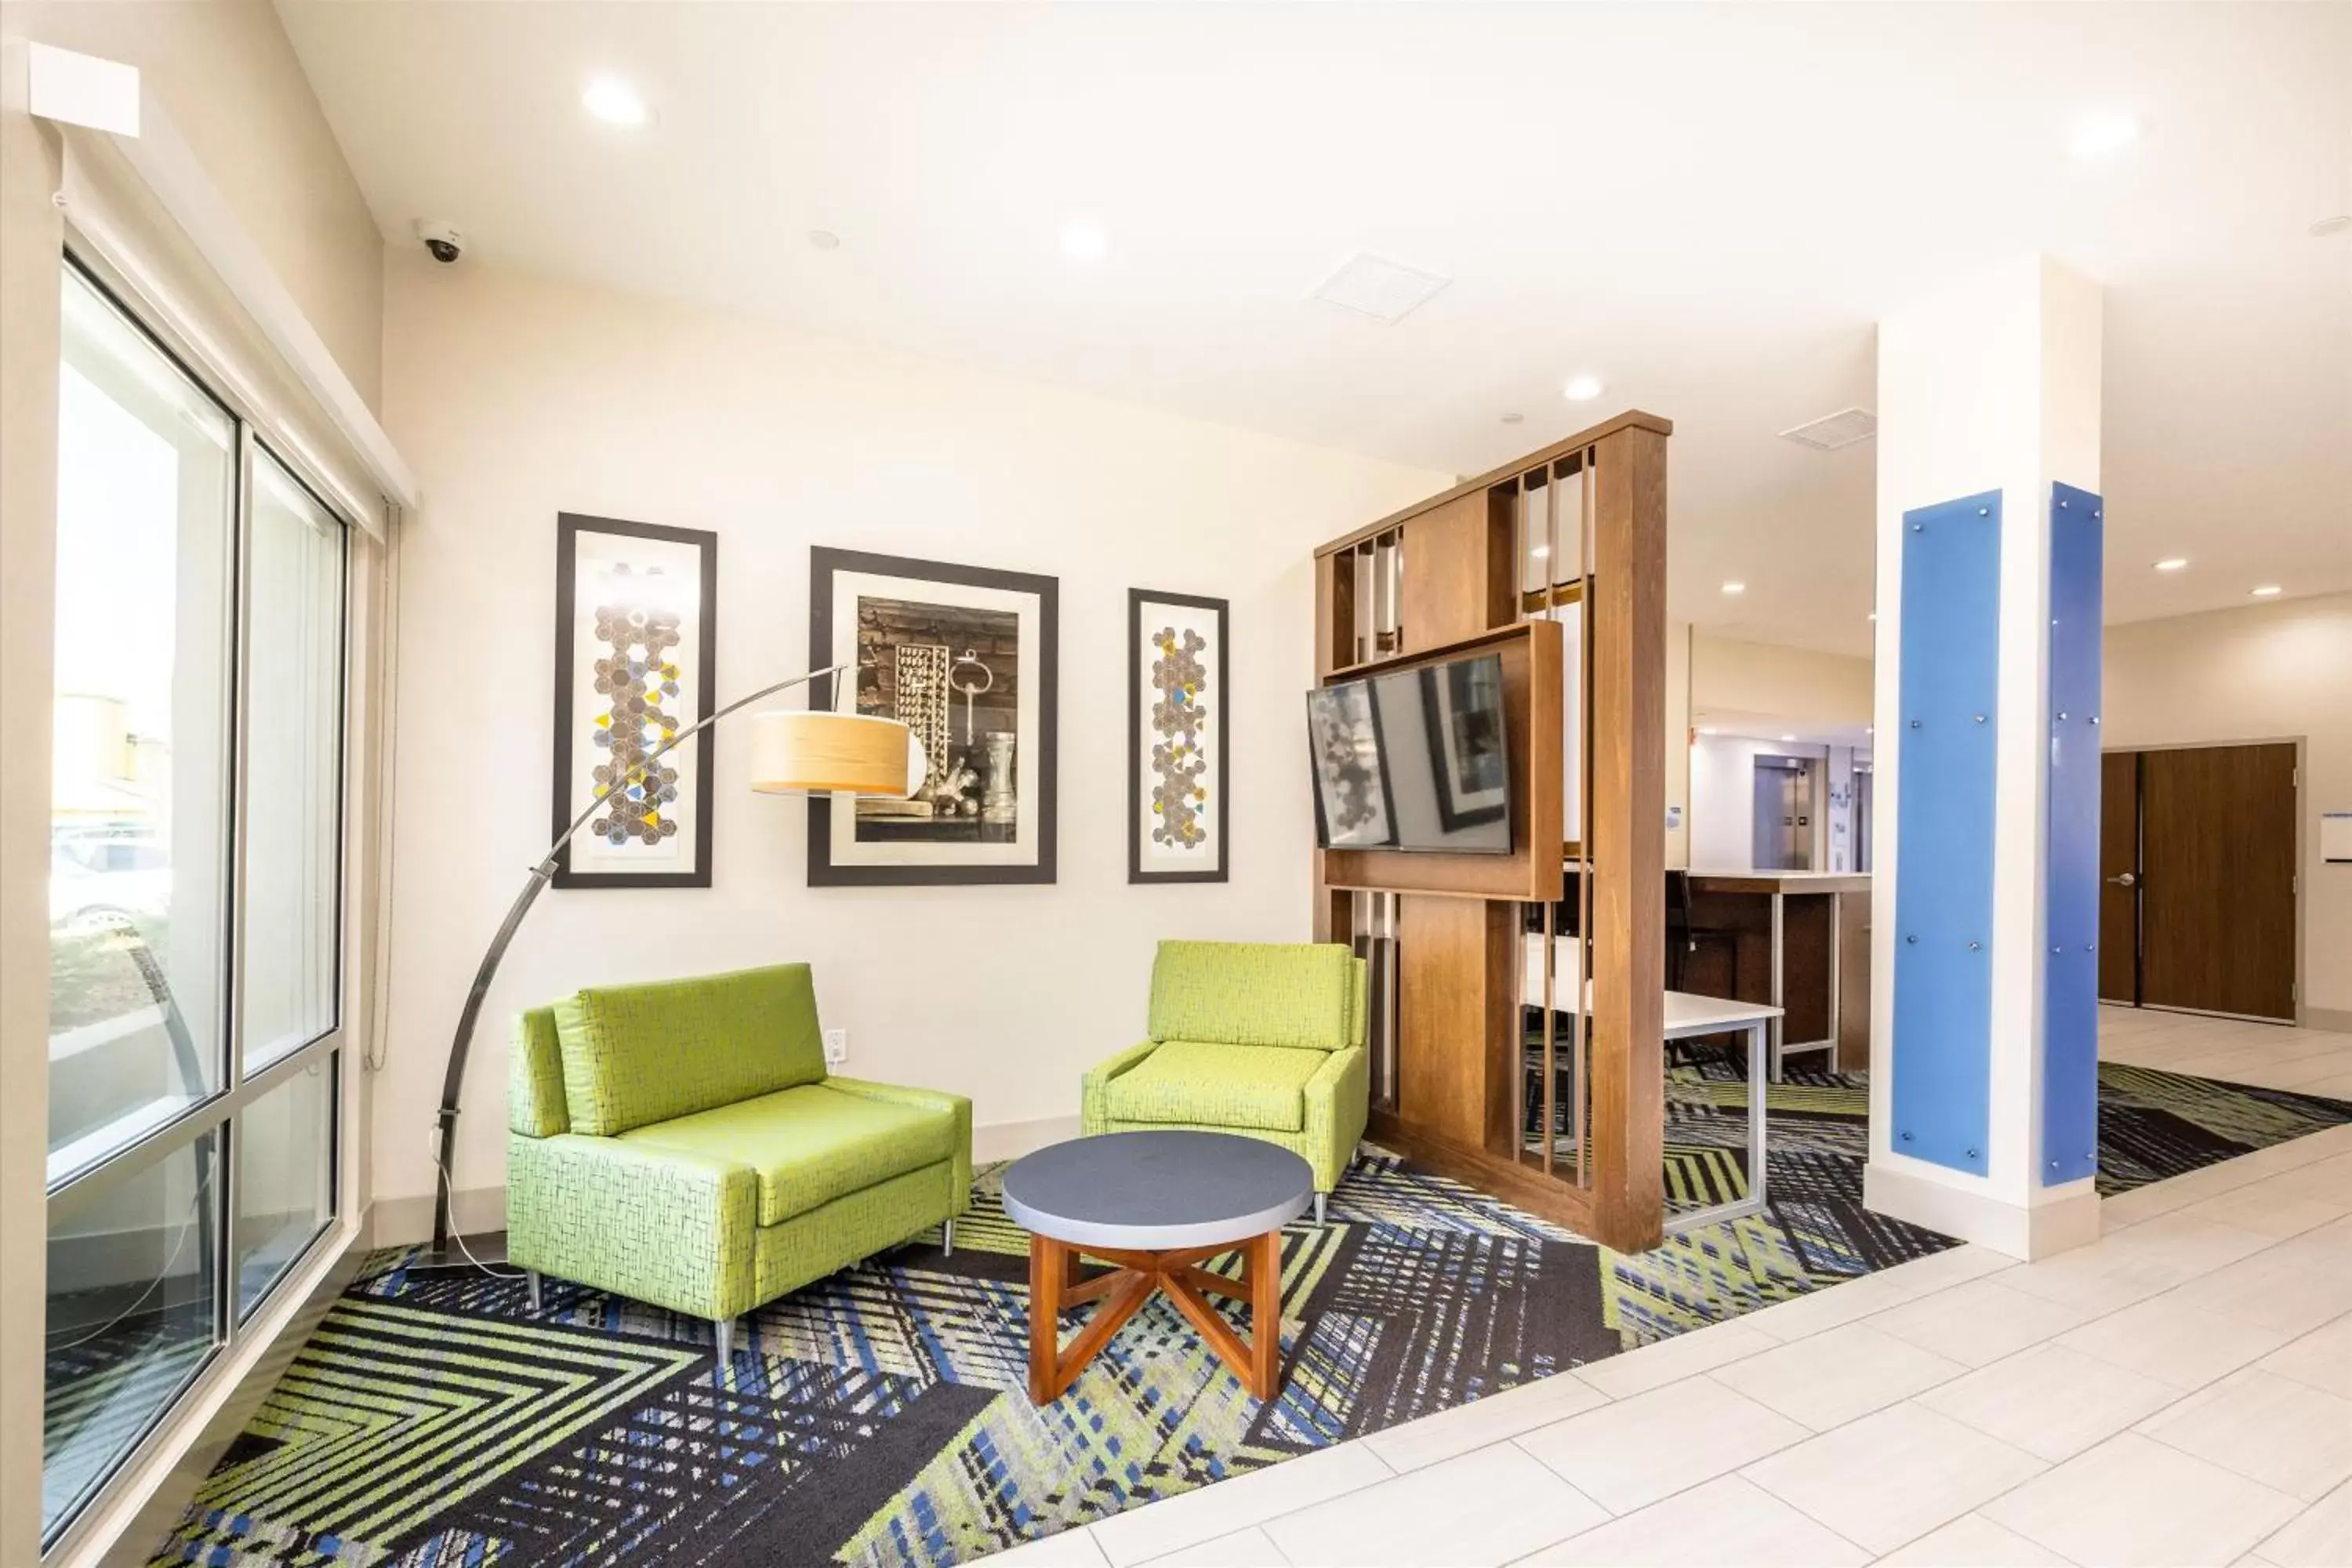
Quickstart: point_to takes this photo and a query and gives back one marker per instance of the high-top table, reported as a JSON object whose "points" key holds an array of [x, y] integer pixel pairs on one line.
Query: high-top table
{"points": [[1686, 1017], [1156, 1206]]}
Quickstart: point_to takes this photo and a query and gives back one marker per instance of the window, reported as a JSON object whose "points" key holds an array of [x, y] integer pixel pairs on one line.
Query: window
{"points": [[196, 846]]}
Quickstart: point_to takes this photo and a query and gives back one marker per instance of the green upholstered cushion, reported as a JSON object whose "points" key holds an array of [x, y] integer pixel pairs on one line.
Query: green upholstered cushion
{"points": [[535, 1078], [811, 1144], [1295, 994], [634, 1054], [1215, 1084]]}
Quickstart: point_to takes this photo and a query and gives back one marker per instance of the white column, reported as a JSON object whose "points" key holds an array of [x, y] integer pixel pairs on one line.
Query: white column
{"points": [[1990, 387]]}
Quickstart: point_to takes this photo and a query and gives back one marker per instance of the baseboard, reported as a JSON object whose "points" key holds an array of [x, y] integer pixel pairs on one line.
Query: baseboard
{"points": [[2023, 1233], [408, 1221], [1011, 1140], [478, 1211], [2335, 1020]]}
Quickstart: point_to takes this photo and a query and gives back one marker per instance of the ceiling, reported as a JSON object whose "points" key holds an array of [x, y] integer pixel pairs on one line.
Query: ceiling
{"points": [[1707, 208]]}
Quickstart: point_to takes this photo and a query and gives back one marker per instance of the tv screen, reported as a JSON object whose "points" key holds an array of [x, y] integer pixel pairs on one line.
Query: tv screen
{"points": [[1417, 759]]}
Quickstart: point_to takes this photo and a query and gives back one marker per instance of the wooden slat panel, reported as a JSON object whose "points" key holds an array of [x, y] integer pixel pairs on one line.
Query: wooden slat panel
{"points": [[1627, 830], [1446, 568], [1631, 419], [1445, 1006]]}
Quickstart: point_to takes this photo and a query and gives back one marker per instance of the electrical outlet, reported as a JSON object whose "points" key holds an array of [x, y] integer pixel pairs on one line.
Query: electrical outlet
{"points": [[836, 1046]]}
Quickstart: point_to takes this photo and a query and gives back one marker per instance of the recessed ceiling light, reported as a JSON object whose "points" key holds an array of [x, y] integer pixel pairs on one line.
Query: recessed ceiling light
{"points": [[1513, 418], [1541, 552], [1581, 389], [2172, 563], [825, 239], [615, 102], [2327, 226], [1874, 615], [2267, 591], [1708, 729], [1870, 728], [2102, 135], [1735, 587], [1786, 739], [1084, 242]]}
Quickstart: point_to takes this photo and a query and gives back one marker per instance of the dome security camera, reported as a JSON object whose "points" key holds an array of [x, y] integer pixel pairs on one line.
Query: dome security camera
{"points": [[441, 239]]}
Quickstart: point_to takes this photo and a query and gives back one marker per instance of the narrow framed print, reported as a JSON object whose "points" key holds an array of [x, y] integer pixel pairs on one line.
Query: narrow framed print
{"points": [[1353, 796], [636, 641], [1179, 777], [965, 656]]}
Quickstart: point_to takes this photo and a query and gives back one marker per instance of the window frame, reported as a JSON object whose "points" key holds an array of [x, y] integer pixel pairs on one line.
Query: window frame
{"points": [[221, 1112]]}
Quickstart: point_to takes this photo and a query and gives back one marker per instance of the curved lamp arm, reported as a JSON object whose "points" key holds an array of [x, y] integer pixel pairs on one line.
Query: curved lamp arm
{"points": [[454, 1079]]}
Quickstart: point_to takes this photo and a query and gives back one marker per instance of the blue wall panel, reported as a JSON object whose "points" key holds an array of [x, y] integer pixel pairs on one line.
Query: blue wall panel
{"points": [[1944, 822], [2070, 892]]}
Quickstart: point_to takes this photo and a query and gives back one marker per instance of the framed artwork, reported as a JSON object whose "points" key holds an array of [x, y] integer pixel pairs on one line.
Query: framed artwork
{"points": [[966, 658], [1352, 807], [635, 634], [1462, 710], [1179, 781]]}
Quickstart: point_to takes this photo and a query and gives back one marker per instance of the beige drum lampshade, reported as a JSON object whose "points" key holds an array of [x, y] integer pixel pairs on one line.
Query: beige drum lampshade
{"points": [[796, 751]]}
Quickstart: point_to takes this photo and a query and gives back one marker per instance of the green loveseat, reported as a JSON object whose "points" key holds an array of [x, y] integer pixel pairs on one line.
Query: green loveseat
{"points": [[682, 1143], [1261, 1040]]}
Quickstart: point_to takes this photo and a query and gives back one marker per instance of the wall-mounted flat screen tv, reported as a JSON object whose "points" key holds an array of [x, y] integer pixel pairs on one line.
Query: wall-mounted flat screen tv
{"points": [[1417, 759]]}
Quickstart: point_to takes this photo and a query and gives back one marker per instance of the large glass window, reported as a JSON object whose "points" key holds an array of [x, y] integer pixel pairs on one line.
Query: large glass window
{"points": [[285, 1195], [134, 1272], [293, 729], [194, 888], [139, 813]]}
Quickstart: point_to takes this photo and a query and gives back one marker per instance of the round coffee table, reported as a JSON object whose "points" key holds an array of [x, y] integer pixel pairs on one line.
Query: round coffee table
{"points": [[1155, 1205]]}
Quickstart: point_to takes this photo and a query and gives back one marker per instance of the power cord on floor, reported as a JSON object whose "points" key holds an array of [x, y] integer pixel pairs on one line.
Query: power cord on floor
{"points": [[449, 1185]]}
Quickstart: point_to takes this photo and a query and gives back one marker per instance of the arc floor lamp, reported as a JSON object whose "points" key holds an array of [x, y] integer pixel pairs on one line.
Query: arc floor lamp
{"points": [[793, 751]]}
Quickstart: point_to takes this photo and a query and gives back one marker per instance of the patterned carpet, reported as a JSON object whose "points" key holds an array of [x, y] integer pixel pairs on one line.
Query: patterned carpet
{"points": [[879, 1416]]}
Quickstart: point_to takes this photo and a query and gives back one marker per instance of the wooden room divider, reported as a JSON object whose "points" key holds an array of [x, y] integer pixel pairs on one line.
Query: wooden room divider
{"points": [[1486, 1067]]}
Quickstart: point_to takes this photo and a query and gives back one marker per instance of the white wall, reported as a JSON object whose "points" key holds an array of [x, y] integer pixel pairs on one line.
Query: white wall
{"points": [[1723, 799], [514, 399], [228, 78], [2266, 672]]}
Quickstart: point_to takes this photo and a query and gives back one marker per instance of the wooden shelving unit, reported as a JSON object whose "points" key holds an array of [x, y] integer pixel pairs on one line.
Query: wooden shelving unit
{"points": [[1556, 561]]}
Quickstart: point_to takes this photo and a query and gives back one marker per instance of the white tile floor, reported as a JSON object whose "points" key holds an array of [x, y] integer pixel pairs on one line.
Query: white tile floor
{"points": [[2180, 1393]]}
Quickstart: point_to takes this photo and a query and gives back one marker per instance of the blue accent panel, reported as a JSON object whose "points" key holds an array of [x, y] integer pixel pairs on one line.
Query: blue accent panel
{"points": [[2070, 873], [1944, 821]]}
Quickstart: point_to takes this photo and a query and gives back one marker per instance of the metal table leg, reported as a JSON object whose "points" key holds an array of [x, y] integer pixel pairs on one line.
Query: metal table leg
{"points": [[1759, 1058]]}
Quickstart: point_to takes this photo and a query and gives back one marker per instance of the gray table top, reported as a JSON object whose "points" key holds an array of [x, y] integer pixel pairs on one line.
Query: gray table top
{"points": [[1157, 1191]]}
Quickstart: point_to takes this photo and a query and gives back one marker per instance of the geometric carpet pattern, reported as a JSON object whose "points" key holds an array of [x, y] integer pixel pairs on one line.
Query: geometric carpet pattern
{"points": [[881, 1416]]}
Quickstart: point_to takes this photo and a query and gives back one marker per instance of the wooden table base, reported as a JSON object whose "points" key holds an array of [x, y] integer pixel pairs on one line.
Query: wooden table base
{"points": [[1054, 1287]]}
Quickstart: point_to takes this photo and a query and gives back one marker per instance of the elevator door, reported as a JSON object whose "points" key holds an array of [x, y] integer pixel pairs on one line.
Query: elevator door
{"points": [[1782, 837]]}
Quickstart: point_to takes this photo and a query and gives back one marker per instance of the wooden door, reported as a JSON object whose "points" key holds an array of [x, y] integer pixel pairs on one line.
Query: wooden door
{"points": [[2217, 879], [2119, 877]]}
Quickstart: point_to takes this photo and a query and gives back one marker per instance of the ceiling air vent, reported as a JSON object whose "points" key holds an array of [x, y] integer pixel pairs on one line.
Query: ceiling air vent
{"points": [[1831, 431], [1373, 286]]}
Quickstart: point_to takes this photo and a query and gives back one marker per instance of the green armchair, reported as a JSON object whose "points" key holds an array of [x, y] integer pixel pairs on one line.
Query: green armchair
{"points": [[682, 1143], [1259, 1039]]}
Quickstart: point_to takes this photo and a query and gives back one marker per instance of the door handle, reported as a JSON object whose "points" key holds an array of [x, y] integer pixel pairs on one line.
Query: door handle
{"points": [[2124, 879]]}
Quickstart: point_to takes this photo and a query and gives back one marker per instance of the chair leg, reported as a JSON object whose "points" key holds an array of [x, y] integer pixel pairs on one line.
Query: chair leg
{"points": [[947, 1238], [531, 1286], [722, 1333], [1320, 1198]]}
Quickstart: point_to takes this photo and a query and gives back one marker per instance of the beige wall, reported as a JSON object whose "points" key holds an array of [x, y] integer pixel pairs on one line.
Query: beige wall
{"points": [[515, 399], [2265, 672], [225, 72], [1766, 680]]}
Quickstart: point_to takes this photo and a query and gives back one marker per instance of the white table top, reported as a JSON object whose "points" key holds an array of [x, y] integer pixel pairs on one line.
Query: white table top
{"points": [[1686, 1012]]}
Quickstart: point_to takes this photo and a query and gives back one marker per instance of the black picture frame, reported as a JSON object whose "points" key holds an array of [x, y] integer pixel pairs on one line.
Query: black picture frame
{"points": [[825, 563], [569, 527], [1138, 819], [1444, 690]]}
